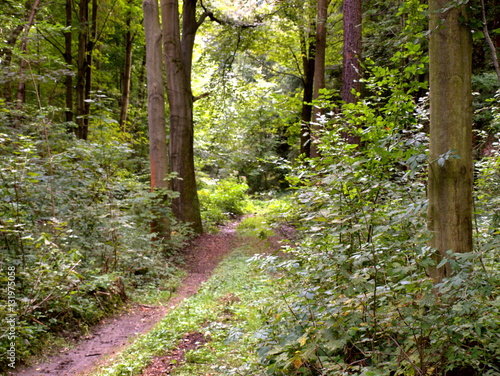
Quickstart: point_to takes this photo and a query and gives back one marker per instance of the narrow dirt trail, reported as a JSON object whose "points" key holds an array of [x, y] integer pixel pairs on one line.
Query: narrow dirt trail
{"points": [[113, 334]]}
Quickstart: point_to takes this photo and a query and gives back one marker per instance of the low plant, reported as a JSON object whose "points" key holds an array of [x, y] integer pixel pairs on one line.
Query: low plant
{"points": [[255, 226], [222, 199], [226, 311]]}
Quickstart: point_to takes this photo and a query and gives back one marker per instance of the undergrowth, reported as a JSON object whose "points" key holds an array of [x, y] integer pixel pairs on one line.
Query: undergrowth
{"points": [[222, 200], [75, 237], [226, 310], [353, 297]]}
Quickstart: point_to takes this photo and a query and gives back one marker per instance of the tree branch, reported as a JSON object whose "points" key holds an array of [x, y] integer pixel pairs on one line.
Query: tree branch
{"points": [[490, 42], [229, 22], [201, 96]]}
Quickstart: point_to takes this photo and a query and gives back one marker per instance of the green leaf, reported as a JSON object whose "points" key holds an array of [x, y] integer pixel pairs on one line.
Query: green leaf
{"points": [[442, 263]]}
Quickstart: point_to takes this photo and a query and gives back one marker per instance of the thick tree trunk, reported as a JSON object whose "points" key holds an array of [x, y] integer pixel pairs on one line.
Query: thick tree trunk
{"points": [[351, 67], [450, 181], [178, 72], [319, 67], [351, 58], [308, 62], [156, 117]]}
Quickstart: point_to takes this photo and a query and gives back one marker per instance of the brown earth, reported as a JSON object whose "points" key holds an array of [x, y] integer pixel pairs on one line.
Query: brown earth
{"points": [[108, 338]]}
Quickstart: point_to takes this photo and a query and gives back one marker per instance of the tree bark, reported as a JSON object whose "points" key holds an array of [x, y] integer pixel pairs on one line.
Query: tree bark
{"points": [[351, 58], [81, 130], [86, 43], [351, 72], [178, 55], [156, 118], [319, 67], [450, 181], [308, 62], [68, 58]]}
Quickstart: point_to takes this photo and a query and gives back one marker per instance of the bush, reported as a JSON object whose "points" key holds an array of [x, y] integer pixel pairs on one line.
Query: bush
{"points": [[222, 199], [255, 226]]}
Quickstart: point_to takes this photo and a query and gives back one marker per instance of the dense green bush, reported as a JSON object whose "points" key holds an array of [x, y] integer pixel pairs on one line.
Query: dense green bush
{"points": [[222, 199], [355, 296]]}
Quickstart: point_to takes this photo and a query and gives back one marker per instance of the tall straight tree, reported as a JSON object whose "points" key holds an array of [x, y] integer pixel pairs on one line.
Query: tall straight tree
{"points": [[156, 116], [84, 64], [68, 58], [319, 64], [450, 179], [351, 66], [21, 88], [308, 49], [178, 50]]}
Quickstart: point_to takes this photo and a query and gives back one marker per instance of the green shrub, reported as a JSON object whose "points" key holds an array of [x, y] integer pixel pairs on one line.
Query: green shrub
{"points": [[222, 199], [255, 226]]}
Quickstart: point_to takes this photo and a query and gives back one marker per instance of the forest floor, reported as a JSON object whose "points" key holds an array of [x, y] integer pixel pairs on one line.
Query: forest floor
{"points": [[113, 334]]}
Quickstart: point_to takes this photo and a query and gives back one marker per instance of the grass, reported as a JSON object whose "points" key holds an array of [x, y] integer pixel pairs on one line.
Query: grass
{"points": [[227, 310]]}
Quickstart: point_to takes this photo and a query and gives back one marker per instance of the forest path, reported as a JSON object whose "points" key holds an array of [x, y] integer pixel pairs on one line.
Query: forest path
{"points": [[108, 338]]}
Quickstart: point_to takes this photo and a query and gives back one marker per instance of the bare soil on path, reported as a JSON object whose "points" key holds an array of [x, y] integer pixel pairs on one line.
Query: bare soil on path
{"points": [[108, 338]]}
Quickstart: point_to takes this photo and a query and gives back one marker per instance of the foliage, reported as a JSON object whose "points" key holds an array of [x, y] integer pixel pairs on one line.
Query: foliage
{"points": [[255, 226], [487, 194], [270, 213], [227, 311], [222, 199], [355, 297], [486, 121], [75, 227], [75, 216], [249, 142]]}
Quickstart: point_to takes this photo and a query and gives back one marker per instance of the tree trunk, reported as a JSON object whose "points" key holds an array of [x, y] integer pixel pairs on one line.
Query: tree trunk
{"points": [[178, 73], [86, 43], [319, 67], [351, 58], [156, 118], [450, 180], [127, 74], [308, 62], [68, 58], [81, 130], [351, 72], [491, 45]]}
